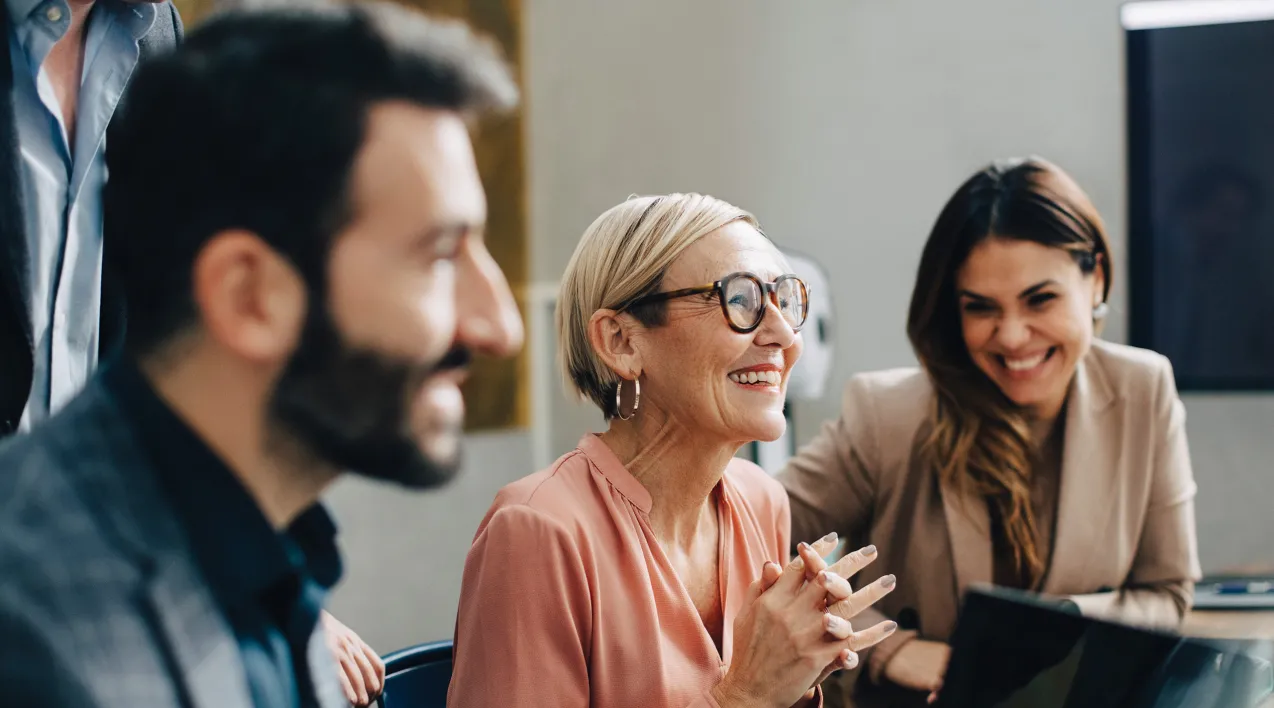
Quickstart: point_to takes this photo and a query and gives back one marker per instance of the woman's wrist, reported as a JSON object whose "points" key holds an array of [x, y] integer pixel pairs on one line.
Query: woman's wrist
{"points": [[884, 653], [727, 696]]}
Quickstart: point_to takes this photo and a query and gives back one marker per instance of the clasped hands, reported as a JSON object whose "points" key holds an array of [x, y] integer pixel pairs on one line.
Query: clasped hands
{"points": [[795, 629]]}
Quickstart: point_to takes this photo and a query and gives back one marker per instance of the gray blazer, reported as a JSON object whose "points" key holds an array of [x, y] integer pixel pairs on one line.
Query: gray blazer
{"points": [[101, 601]]}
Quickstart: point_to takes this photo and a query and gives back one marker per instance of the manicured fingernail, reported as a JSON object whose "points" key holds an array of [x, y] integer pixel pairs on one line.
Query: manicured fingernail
{"points": [[851, 661], [831, 621], [869, 551], [890, 626], [828, 538], [803, 546], [888, 582], [824, 577]]}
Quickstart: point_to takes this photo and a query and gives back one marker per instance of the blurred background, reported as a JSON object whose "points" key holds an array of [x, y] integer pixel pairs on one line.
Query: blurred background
{"points": [[844, 125]]}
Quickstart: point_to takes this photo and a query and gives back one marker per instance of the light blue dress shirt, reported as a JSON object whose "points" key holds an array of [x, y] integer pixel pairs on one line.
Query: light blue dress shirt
{"points": [[62, 184]]}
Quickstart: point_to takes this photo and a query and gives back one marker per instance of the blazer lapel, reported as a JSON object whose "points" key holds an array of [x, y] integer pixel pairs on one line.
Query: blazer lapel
{"points": [[1090, 459], [204, 651], [122, 484], [969, 528]]}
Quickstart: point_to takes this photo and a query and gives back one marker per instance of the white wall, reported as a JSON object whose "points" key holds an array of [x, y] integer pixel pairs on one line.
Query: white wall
{"points": [[844, 125]]}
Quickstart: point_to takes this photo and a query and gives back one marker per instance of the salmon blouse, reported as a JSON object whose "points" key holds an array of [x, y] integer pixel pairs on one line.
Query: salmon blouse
{"points": [[568, 600]]}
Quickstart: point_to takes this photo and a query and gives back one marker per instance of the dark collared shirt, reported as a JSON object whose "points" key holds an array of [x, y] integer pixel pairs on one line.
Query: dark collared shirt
{"points": [[270, 585]]}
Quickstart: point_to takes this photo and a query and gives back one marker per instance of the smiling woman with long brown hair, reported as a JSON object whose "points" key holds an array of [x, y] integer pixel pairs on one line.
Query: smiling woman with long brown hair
{"points": [[1023, 451]]}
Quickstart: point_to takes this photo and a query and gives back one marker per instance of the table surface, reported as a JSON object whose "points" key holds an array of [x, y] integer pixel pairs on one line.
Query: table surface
{"points": [[1231, 624]]}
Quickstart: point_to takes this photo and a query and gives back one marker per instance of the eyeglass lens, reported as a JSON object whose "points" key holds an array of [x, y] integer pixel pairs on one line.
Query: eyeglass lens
{"points": [[745, 301]]}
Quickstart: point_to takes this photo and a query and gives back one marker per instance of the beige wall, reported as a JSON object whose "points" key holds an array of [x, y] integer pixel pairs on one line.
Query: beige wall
{"points": [[843, 125]]}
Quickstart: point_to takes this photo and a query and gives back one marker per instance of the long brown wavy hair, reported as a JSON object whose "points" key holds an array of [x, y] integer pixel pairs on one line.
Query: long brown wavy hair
{"points": [[978, 438]]}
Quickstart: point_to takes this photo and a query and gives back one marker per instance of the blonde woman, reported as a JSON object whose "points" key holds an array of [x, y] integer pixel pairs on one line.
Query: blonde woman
{"points": [[1023, 452], [642, 568]]}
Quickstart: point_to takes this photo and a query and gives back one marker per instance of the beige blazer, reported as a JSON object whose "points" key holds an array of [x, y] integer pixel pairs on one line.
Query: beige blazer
{"points": [[1124, 544]]}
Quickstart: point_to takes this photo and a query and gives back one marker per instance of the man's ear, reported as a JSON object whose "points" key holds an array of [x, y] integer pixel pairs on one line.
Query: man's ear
{"points": [[251, 301], [611, 335]]}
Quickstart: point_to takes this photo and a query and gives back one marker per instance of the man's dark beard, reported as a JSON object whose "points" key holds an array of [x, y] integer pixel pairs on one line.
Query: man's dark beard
{"points": [[350, 406]]}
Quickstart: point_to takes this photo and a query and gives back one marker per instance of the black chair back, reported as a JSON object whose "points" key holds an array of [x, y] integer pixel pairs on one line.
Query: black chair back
{"points": [[417, 677]]}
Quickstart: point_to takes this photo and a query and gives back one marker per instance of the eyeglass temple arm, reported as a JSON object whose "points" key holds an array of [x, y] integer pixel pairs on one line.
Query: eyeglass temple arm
{"points": [[660, 297]]}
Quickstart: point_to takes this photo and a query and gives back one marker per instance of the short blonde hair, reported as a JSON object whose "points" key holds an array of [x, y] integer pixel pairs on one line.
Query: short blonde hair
{"points": [[622, 256]]}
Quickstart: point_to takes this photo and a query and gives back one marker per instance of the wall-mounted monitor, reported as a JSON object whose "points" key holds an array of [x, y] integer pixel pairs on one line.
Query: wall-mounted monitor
{"points": [[1200, 128]]}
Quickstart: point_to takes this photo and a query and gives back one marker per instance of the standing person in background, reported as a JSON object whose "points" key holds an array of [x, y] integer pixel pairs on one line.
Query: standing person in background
{"points": [[67, 63], [305, 281], [1023, 452]]}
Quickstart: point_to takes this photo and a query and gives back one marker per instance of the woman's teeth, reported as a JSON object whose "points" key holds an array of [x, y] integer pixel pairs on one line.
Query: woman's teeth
{"points": [[766, 377], [1025, 364]]}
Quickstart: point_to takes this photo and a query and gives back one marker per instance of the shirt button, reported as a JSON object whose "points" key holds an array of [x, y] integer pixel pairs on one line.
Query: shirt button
{"points": [[54, 14]]}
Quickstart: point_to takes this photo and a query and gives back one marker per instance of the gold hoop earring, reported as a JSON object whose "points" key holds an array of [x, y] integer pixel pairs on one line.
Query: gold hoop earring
{"points": [[619, 406]]}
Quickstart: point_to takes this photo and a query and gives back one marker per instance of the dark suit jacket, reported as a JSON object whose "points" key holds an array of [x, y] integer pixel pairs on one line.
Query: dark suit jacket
{"points": [[16, 338], [102, 601]]}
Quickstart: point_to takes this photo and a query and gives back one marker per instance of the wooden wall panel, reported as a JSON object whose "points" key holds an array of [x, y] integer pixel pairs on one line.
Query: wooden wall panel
{"points": [[497, 393]]}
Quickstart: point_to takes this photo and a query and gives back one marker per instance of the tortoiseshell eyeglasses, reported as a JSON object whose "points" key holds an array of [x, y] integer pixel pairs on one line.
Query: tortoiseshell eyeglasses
{"points": [[743, 297]]}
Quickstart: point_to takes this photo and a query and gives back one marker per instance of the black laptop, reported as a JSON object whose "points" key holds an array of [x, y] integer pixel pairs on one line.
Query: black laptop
{"points": [[1013, 650]]}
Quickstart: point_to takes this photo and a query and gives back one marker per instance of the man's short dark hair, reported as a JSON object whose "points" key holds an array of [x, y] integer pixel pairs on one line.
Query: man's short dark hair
{"points": [[255, 123]]}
